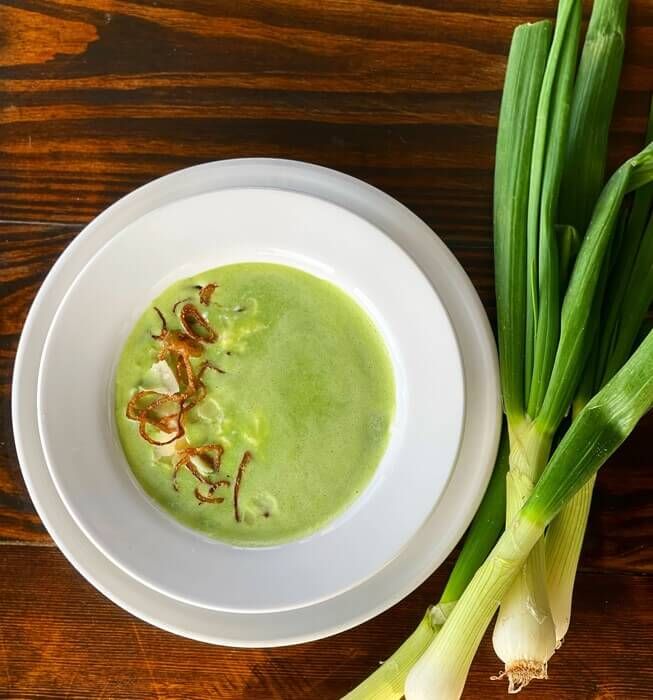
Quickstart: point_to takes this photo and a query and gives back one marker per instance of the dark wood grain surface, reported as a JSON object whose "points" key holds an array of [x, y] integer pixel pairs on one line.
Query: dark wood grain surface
{"points": [[100, 96]]}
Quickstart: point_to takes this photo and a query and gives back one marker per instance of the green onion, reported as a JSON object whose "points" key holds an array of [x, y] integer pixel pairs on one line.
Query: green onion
{"points": [[634, 230], [596, 433], [550, 244], [524, 617], [525, 635], [637, 300], [629, 294], [525, 71], [594, 97], [598, 430], [576, 333], [548, 160], [564, 541], [387, 682]]}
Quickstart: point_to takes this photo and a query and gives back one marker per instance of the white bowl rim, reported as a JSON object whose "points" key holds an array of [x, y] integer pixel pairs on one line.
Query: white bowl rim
{"points": [[101, 496]]}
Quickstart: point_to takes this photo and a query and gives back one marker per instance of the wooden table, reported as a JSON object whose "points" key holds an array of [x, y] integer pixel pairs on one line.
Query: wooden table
{"points": [[100, 96]]}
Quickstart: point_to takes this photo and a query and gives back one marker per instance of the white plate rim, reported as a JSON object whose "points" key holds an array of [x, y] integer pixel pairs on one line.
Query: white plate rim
{"points": [[338, 614]]}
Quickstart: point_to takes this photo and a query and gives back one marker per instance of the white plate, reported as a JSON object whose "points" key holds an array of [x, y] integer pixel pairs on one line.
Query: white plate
{"points": [[439, 534], [182, 239]]}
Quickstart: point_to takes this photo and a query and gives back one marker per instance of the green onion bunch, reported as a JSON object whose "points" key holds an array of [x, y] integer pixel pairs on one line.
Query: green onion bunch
{"points": [[574, 283]]}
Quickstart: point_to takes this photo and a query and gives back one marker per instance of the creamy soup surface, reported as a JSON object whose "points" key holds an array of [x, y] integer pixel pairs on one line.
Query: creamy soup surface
{"points": [[254, 402]]}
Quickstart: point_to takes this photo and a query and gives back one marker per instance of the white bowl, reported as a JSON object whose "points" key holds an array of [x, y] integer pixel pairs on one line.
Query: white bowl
{"points": [[75, 400]]}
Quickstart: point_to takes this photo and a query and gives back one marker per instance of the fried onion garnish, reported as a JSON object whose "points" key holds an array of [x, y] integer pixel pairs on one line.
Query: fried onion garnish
{"points": [[212, 452], [164, 325], [206, 292], [241, 470], [207, 499], [196, 325], [178, 303], [147, 406], [181, 344]]}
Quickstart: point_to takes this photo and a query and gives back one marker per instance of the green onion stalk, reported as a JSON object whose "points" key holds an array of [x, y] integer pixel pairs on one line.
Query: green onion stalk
{"points": [[599, 429], [547, 248], [387, 682], [531, 145], [525, 635], [629, 294], [570, 125], [595, 92]]}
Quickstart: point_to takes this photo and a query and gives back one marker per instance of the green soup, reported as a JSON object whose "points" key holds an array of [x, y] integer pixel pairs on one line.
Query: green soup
{"points": [[254, 402]]}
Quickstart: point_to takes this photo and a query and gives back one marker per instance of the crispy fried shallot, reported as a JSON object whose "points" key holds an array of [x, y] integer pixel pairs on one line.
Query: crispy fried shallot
{"points": [[206, 292], [147, 407], [178, 303], [181, 344], [241, 469], [196, 325], [217, 484], [207, 499], [161, 415], [164, 325], [142, 429], [209, 365], [211, 453]]}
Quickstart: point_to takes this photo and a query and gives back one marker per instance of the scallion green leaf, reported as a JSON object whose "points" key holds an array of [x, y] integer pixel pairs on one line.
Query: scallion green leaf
{"points": [[594, 97], [525, 71]]}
